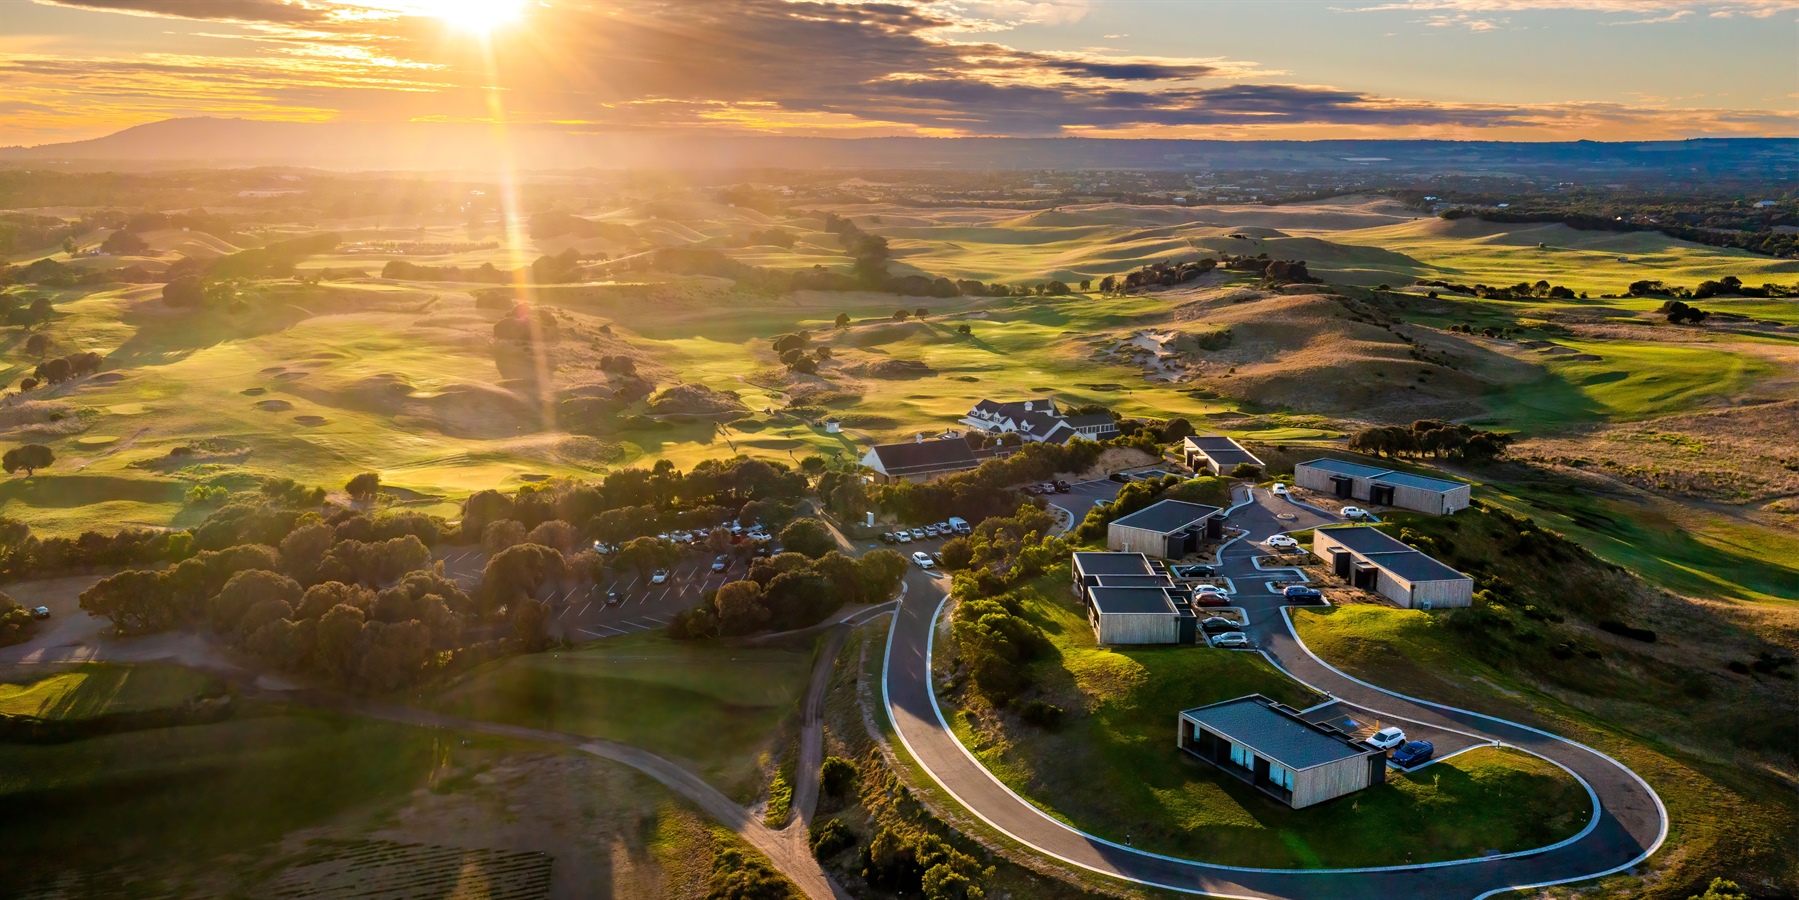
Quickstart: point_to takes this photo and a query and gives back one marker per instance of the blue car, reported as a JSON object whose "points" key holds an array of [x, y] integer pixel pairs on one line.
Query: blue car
{"points": [[1301, 592], [1413, 754]]}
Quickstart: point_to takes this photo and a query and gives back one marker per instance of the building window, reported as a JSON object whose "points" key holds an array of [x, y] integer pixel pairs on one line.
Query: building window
{"points": [[1242, 756], [1280, 775]]}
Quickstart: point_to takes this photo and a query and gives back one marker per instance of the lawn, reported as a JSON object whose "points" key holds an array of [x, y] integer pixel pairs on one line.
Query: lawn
{"points": [[197, 790], [94, 689], [1627, 382], [1113, 770], [714, 705]]}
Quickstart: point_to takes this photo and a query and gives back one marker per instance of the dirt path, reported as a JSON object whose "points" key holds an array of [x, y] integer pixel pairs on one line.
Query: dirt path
{"points": [[792, 858]]}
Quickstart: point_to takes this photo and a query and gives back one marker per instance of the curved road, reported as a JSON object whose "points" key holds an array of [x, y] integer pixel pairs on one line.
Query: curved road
{"points": [[1631, 823]]}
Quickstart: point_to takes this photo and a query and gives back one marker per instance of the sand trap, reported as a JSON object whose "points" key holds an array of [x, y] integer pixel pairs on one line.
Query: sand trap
{"points": [[1586, 357], [107, 378], [274, 405], [254, 392], [534, 477], [273, 369], [290, 376], [96, 440], [1556, 351], [310, 421]]}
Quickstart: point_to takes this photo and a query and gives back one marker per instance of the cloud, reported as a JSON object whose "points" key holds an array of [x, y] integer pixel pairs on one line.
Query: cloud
{"points": [[1674, 16], [777, 66], [282, 12]]}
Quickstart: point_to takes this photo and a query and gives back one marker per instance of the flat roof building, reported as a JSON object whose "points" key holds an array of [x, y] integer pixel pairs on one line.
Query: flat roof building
{"points": [[1140, 615], [1217, 454], [1273, 748], [1369, 558], [1382, 487], [1168, 529]]}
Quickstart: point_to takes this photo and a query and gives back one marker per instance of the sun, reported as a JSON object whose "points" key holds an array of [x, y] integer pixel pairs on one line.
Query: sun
{"points": [[477, 16]]}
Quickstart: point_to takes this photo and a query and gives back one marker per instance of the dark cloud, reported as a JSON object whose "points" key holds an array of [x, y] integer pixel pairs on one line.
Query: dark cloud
{"points": [[278, 12], [1131, 71]]}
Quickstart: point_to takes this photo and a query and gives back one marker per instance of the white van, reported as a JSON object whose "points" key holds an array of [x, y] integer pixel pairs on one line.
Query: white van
{"points": [[959, 526]]}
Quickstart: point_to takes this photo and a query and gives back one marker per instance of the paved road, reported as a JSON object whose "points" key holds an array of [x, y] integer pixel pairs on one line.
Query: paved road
{"points": [[1630, 824]]}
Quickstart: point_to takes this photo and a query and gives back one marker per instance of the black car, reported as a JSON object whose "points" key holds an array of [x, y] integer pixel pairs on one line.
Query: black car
{"points": [[888, 538], [1063, 487], [1300, 593], [1120, 477], [1413, 754], [1219, 625]]}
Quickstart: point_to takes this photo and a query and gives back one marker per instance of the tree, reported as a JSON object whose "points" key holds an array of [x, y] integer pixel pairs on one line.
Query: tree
{"points": [[187, 291], [808, 536], [363, 486], [41, 309], [920, 312], [1086, 285], [517, 573], [38, 344], [900, 315], [68, 245], [843, 320], [646, 554], [738, 605], [837, 776], [247, 589], [1246, 470], [1108, 284], [1721, 889], [964, 329], [30, 457], [529, 620]]}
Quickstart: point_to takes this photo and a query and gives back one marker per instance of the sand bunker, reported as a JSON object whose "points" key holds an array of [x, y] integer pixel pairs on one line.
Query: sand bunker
{"points": [[273, 405], [310, 421]]}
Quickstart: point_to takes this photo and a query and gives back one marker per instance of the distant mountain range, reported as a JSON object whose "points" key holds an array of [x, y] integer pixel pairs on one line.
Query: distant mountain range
{"points": [[437, 146]]}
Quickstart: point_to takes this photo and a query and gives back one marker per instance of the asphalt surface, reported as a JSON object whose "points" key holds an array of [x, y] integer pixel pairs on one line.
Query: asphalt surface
{"points": [[581, 613], [1629, 825]]}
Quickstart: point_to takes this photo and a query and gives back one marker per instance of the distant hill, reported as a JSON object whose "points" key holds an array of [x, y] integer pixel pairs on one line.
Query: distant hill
{"points": [[430, 146]]}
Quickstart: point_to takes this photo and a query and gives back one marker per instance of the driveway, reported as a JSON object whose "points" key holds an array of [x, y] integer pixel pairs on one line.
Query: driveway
{"points": [[1630, 823]]}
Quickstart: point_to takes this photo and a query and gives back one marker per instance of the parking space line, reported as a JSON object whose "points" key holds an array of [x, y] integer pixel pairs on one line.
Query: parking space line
{"points": [[657, 621], [583, 611]]}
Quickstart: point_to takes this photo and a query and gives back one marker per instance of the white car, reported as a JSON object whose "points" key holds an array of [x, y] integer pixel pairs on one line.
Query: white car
{"points": [[1282, 542], [659, 576], [1279, 489], [903, 536], [1230, 639], [923, 559], [1354, 512], [1208, 589], [1387, 738]]}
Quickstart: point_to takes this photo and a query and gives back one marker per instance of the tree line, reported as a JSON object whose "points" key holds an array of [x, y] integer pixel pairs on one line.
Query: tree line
{"points": [[1433, 438]]}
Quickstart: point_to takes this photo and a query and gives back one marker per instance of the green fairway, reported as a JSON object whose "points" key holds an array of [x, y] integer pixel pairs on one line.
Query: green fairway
{"points": [[1627, 382], [1113, 769], [714, 705], [94, 689]]}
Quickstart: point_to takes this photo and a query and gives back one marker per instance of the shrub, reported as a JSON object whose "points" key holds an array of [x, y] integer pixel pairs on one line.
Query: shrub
{"points": [[837, 776], [1622, 630], [1046, 716], [831, 838]]}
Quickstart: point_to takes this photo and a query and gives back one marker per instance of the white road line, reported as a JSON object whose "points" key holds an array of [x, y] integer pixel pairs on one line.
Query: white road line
{"points": [[657, 621], [583, 611]]}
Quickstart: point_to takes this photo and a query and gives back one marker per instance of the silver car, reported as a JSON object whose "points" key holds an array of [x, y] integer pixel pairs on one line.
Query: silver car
{"points": [[1231, 640]]}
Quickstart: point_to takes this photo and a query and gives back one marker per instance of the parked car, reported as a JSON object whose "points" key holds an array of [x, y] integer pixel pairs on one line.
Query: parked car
{"points": [[1279, 489], [1388, 738], [659, 576], [918, 534], [1120, 477], [922, 559], [944, 529], [1209, 598], [930, 531], [960, 526], [1302, 592], [1231, 640], [1048, 487], [903, 536], [1413, 753], [888, 538], [937, 558], [614, 598], [1063, 487], [1030, 490], [720, 563], [1192, 570], [1354, 512], [40, 612], [1281, 542], [1219, 625], [1209, 589]]}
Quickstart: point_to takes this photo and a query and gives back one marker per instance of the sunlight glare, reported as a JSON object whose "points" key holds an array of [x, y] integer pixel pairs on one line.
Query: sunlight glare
{"points": [[477, 16]]}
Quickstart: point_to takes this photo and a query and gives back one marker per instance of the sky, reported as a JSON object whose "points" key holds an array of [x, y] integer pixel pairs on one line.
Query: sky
{"points": [[1457, 69]]}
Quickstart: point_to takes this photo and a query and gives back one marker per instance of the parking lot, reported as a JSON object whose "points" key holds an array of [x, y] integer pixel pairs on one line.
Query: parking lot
{"points": [[1082, 495], [582, 614], [1366, 722]]}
